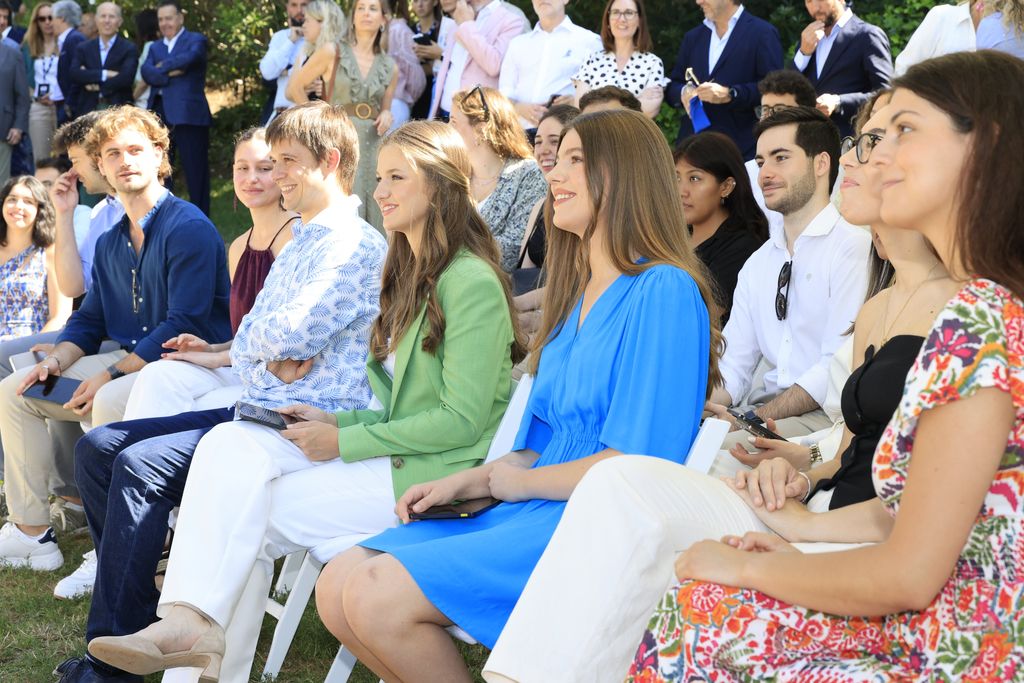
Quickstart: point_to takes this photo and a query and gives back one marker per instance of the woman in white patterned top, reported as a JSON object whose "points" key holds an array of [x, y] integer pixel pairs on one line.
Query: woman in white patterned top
{"points": [[626, 60]]}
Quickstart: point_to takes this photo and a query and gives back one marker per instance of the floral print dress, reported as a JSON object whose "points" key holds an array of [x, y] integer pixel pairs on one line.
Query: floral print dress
{"points": [[972, 631], [24, 305]]}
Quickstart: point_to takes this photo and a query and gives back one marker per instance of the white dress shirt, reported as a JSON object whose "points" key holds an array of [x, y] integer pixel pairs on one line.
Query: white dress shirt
{"points": [[717, 45], [945, 29], [282, 55], [827, 287], [824, 48], [169, 42], [540, 63], [104, 51], [460, 58]]}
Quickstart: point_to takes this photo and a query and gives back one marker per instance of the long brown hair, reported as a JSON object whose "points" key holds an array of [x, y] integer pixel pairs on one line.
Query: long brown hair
{"points": [[983, 95], [34, 35], [631, 180], [453, 223], [44, 228], [641, 39]]}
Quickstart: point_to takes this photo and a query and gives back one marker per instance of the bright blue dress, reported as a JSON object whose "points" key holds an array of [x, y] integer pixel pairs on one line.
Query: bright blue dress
{"points": [[633, 378]]}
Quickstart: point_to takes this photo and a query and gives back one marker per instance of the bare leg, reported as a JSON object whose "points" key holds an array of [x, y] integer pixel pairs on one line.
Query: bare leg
{"points": [[330, 606], [388, 612]]}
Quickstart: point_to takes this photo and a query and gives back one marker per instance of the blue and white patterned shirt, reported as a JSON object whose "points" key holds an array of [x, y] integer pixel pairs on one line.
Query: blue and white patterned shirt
{"points": [[318, 301]]}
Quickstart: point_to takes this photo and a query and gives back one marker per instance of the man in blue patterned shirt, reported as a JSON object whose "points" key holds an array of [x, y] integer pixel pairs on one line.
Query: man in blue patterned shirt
{"points": [[305, 340]]}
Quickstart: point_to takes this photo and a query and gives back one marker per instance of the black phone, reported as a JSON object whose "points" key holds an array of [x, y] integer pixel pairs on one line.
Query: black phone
{"points": [[467, 509], [259, 415], [54, 388], [551, 100], [422, 39], [754, 428]]}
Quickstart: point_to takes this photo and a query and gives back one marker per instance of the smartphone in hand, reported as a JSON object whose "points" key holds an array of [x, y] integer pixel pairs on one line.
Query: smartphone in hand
{"points": [[754, 428]]}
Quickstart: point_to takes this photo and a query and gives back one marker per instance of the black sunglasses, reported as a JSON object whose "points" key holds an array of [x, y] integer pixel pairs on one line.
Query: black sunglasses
{"points": [[478, 90], [782, 299], [40, 20]]}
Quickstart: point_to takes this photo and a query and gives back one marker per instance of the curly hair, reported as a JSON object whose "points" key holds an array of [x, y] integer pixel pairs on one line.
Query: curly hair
{"points": [[499, 123], [113, 121]]}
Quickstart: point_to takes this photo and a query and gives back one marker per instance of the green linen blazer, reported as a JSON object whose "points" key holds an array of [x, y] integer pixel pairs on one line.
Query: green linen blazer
{"points": [[441, 410]]}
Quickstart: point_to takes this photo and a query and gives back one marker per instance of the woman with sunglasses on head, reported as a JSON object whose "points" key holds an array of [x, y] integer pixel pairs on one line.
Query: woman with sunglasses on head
{"points": [[726, 224], [358, 75], [622, 364], [41, 52], [506, 181], [626, 60], [604, 536], [938, 597]]}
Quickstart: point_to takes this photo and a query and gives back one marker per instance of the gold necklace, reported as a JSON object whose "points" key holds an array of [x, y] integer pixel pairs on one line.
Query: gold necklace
{"points": [[886, 329]]}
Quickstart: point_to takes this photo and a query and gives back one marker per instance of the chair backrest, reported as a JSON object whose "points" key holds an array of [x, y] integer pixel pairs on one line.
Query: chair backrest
{"points": [[23, 360], [509, 425], [707, 444]]}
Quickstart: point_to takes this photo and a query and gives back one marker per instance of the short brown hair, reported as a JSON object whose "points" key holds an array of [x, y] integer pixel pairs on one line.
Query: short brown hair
{"points": [[320, 127], [110, 122], [73, 133], [611, 93], [501, 128], [642, 37]]}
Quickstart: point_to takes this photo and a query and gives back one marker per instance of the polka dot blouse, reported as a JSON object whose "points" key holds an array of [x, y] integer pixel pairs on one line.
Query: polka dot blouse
{"points": [[644, 69]]}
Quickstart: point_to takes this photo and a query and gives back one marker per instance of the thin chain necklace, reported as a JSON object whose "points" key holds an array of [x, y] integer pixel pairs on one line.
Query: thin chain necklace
{"points": [[886, 329]]}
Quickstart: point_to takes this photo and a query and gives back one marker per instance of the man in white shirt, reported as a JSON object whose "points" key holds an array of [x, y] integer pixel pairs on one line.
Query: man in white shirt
{"points": [[799, 293], [539, 65], [284, 51], [945, 29], [475, 50]]}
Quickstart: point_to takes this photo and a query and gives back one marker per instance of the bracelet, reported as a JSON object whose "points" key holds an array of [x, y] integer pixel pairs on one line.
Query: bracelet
{"points": [[816, 458], [809, 487], [55, 360]]}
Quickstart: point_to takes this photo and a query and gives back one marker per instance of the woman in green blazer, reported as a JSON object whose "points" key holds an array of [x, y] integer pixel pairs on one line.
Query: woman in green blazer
{"points": [[442, 349]]}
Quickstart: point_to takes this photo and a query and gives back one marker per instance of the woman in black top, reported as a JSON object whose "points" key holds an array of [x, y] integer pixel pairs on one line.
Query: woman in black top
{"points": [[726, 224]]}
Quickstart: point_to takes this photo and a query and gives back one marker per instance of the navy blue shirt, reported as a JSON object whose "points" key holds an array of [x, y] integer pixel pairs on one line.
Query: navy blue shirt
{"points": [[178, 283]]}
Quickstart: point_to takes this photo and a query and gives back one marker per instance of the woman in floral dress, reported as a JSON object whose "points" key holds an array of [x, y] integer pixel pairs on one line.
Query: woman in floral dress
{"points": [[942, 597]]}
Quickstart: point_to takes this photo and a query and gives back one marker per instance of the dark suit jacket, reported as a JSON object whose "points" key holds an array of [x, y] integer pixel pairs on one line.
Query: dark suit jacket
{"points": [[17, 34], [753, 50], [14, 100], [859, 63], [86, 69], [68, 88], [184, 96]]}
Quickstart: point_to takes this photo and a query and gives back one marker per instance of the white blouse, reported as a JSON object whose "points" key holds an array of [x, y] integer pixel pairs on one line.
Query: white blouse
{"points": [[643, 70]]}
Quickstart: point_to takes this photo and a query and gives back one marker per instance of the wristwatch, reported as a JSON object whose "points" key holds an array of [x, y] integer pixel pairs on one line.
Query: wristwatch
{"points": [[115, 372], [733, 93], [815, 455]]}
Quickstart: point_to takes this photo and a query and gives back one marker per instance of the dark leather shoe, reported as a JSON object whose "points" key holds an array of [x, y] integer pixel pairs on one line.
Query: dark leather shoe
{"points": [[80, 670]]}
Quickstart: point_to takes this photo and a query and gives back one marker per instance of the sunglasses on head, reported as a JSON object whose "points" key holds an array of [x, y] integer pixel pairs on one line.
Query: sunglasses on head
{"points": [[478, 90]]}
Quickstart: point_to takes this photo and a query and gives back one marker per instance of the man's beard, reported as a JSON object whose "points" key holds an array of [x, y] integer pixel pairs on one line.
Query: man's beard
{"points": [[799, 194], [830, 19]]}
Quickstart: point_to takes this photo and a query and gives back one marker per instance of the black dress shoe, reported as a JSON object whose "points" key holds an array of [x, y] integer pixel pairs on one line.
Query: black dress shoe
{"points": [[81, 670]]}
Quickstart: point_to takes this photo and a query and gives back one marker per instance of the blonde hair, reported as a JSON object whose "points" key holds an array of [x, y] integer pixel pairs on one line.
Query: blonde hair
{"points": [[333, 26], [1013, 14], [631, 180], [453, 223], [113, 121], [500, 127], [34, 36], [320, 127]]}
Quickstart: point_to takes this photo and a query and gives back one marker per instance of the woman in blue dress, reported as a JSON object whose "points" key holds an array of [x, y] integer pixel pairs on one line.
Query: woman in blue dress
{"points": [[630, 348]]}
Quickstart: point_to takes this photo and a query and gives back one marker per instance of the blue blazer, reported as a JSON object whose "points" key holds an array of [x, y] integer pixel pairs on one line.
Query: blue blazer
{"points": [[86, 69], [753, 50], [17, 34], [859, 63], [68, 88], [184, 96]]}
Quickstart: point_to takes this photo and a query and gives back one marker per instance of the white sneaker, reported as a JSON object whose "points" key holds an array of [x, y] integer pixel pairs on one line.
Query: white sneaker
{"points": [[19, 550], [79, 582]]}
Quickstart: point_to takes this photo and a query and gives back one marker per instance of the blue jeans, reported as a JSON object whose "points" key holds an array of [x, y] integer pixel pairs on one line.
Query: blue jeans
{"points": [[131, 475]]}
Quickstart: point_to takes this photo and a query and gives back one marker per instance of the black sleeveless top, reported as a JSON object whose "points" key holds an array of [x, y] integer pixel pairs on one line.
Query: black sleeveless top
{"points": [[870, 397]]}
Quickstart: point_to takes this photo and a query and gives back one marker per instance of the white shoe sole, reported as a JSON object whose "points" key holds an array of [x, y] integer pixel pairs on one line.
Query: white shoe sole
{"points": [[73, 596], [40, 563]]}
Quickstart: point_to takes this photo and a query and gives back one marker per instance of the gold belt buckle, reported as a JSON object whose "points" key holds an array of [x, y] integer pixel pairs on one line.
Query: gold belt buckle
{"points": [[363, 107]]}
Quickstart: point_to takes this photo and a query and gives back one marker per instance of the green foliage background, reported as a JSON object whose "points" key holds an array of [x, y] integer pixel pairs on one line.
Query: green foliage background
{"points": [[238, 31]]}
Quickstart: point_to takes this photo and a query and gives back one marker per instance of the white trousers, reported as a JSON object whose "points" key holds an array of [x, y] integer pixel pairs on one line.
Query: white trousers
{"points": [[169, 387], [251, 497], [585, 607]]}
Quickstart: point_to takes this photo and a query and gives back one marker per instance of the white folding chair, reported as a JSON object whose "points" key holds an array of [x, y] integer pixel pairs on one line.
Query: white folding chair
{"points": [[300, 571]]}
